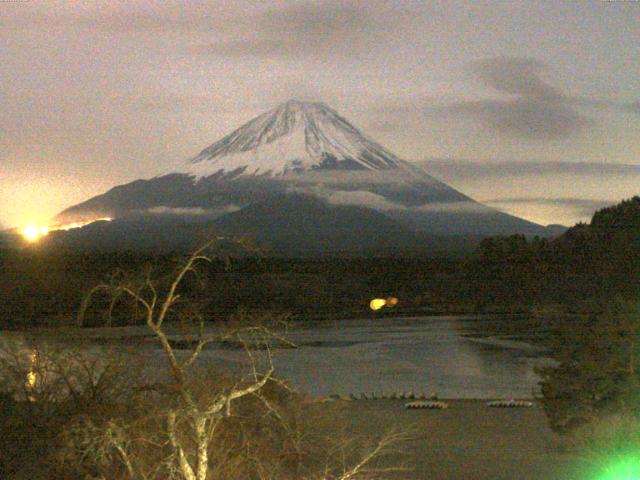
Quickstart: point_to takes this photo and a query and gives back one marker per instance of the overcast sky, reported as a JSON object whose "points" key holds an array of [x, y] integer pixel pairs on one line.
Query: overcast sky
{"points": [[97, 93]]}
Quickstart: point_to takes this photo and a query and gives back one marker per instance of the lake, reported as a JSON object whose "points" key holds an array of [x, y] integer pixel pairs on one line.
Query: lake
{"points": [[451, 356], [446, 356]]}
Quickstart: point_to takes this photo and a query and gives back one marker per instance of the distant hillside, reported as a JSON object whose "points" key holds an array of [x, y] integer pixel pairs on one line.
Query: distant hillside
{"points": [[285, 225], [589, 263], [301, 223]]}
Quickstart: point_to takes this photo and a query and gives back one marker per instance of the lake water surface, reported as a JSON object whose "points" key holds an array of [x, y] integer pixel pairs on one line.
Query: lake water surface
{"points": [[448, 356], [441, 355]]}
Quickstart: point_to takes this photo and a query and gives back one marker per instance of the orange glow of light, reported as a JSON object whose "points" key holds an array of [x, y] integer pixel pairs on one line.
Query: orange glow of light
{"points": [[377, 303], [392, 301], [31, 379], [33, 233], [71, 226], [32, 376]]}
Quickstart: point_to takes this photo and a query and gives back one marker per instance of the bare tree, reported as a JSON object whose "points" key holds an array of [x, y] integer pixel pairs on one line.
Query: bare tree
{"points": [[191, 418], [46, 385], [202, 417]]}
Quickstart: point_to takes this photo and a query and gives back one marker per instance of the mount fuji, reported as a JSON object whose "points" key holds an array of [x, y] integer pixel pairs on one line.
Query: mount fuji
{"points": [[297, 177]]}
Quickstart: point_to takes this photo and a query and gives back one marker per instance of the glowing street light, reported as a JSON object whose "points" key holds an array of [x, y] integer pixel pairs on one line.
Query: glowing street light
{"points": [[377, 303]]}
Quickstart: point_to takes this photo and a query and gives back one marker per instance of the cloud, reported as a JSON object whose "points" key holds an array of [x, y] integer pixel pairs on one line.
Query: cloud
{"points": [[533, 109], [348, 177], [515, 76], [468, 207], [191, 211], [541, 191], [525, 117], [372, 200], [159, 16], [529, 106], [582, 206], [463, 169], [304, 29], [364, 198]]}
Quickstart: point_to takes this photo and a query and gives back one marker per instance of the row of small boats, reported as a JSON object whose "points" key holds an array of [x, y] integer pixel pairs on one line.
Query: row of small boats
{"points": [[421, 401]]}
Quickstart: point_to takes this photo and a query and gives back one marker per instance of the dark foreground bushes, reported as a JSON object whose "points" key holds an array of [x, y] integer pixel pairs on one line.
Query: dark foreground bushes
{"points": [[46, 287], [173, 418], [101, 417]]}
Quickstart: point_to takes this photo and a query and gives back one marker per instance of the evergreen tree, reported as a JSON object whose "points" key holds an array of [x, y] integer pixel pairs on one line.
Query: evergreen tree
{"points": [[597, 370]]}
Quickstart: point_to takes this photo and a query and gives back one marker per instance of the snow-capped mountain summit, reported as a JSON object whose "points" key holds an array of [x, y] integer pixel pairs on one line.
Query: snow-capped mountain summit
{"points": [[299, 169], [296, 136]]}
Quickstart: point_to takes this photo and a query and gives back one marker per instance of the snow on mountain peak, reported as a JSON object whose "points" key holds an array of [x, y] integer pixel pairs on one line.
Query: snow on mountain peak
{"points": [[296, 136]]}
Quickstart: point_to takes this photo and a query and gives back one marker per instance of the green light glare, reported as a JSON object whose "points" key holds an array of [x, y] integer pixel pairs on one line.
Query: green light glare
{"points": [[627, 468]]}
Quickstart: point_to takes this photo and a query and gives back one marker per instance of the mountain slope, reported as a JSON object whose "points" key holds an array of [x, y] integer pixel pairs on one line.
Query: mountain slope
{"points": [[301, 148], [298, 223], [287, 225]]}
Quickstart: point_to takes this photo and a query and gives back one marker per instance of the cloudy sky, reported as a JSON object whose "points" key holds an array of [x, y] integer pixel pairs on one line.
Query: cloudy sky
{"points": [[530, 106]]}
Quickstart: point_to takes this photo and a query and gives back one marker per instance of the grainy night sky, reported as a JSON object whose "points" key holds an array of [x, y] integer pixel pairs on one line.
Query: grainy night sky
{"points": [[530, 106]]}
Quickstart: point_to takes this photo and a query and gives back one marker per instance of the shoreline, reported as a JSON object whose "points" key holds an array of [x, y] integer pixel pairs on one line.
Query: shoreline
{"points": [[467, 440], [68, 321]]}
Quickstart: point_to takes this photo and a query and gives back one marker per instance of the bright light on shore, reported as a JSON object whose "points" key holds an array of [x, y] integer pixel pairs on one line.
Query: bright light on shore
{"points": [[377, 303], [32, 376], [33, 233]]}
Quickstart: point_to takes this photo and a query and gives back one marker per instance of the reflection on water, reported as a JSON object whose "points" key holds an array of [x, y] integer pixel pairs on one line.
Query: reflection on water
{"points": [[423, 355], [447, 356]]}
